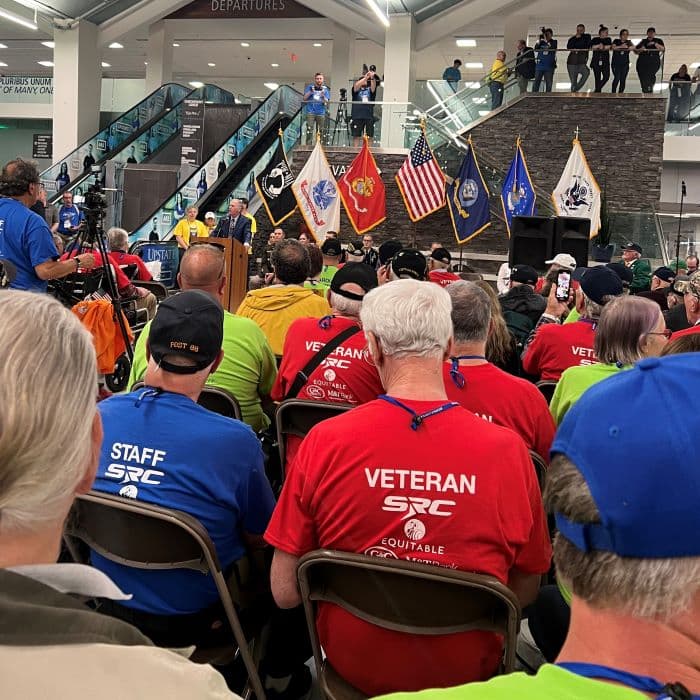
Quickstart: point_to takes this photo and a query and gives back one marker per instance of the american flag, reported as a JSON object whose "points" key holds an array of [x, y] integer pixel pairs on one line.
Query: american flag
{"points": [[421, 181]]}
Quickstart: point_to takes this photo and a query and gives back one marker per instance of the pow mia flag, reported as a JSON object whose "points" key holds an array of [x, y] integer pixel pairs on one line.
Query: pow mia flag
{"points": [[274, 185]]}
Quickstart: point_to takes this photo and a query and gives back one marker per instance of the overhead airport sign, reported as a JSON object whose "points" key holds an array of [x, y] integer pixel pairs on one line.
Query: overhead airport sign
{"points": [[243, 9]]}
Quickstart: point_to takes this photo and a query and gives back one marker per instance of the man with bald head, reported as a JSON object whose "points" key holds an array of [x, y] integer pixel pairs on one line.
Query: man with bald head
{"points": [[248, 367]]}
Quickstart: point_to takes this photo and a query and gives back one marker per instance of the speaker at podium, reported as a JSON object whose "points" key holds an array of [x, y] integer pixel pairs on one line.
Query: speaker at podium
{"points": [[531, 241], [571, 235]]}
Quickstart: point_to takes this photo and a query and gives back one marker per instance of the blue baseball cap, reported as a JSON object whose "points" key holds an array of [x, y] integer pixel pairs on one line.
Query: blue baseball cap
{"points": [[642, 474]]}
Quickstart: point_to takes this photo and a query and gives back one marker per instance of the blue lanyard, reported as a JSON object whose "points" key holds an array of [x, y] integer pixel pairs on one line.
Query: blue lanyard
{"points": [[325, 322], [457, 377], [590, 322], [669, 691], [418, 418]]}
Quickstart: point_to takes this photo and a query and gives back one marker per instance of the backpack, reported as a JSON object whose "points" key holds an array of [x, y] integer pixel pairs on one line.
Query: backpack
{"points": [[519, 326]]}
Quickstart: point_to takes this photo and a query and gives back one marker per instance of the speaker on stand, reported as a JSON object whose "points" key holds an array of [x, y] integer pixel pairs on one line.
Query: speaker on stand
{"points": [[572, 236], [531, 241]]}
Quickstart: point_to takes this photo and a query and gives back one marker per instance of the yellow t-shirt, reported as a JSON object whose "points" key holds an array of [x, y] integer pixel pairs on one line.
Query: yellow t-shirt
{"points": [[185, 229], [499, 72]]}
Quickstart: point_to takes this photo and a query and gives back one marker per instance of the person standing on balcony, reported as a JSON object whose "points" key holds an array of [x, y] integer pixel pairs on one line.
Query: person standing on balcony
{"points": [[497, 79], [524, 65], [546, 62], [453, 75], [578, 46], [649, 52], [621, 60], [316, 99], [679, 95], [600, 63]]}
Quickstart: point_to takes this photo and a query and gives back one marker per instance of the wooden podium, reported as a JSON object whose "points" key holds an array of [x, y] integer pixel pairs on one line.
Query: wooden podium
{"points": [[235, 269]]}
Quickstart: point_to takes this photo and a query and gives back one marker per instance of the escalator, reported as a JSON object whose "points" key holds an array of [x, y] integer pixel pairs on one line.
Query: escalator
{"points": [[212, 185], [143, 143]]}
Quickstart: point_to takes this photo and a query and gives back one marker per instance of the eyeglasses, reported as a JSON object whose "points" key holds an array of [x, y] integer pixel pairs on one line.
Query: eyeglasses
{"points": [[666, 333]]}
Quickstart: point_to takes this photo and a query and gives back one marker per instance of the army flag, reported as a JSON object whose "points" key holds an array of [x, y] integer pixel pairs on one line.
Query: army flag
{"points": [[274, 185], [362, 191], [578, 193], [316, 192], [468, 199], [518, 193]]}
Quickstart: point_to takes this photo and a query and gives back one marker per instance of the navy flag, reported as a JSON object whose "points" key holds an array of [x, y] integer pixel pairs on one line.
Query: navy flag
{"points": [[518, 196], [274, 185], [468, 199]]}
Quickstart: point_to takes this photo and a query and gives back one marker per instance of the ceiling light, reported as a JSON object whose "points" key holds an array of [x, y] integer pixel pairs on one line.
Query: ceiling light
{"points": [[3, 65], [473, 86], [106, 65], [18, 20], [245, 44], [562, 86], [196, 84], [211, 65], [377, 11], [49, 44], [145, 63], [3, 46], [317, 44], [176, 44], [47, 64], [692, 65], [476, 64], [275, 65], [116, 45], [466, 43], [271, 86]]}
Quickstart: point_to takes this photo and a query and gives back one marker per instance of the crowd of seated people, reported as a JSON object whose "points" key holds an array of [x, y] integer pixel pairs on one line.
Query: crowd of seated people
{"points": [[429, 462]]}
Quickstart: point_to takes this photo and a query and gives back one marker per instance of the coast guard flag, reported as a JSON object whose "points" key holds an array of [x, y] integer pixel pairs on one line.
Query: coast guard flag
{"points": [[274, 185], [518, 193], [577, 193], [316, 192], [362, 191], [468, 199]]}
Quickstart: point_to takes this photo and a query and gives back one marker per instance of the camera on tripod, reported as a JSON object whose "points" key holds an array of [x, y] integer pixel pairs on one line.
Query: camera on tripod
{"points": [[95, 200], [343, 94]]}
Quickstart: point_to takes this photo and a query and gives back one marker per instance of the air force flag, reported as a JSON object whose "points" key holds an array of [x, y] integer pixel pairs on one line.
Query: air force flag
{"points": [[468, 199], [518, 193], [578, 193]]}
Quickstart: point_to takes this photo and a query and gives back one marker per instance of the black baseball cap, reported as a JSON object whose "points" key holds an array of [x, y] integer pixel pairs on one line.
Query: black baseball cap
{"points": [[633, 246], [356, 253], [441, 255], [331, 247], [410, 263], [622, 271], [356, 273], [190, 325], [525, 274], [666, 274], [600, 282], [388, 249]]}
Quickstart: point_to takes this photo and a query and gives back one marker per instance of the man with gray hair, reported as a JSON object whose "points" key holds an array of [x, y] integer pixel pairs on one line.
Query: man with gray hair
{"points": [[625, 497], [49, 448], [483, 388], [410, 493], [118, 240]]}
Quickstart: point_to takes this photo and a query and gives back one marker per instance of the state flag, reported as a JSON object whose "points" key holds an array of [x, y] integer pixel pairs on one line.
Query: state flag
{"points": [[274, 185], [316, 192], [362, 191], [518, 196]]}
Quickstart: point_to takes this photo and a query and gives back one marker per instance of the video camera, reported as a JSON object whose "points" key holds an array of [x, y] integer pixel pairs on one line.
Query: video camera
{"points": [[373, 70], [95, 201]]}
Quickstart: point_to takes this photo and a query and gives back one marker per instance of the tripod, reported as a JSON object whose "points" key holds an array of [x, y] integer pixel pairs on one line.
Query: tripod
{"points": [[341, 117]]}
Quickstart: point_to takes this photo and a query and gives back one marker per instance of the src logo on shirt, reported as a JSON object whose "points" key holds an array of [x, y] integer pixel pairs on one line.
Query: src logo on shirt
{"points": [[128, 473], [413, 505]]}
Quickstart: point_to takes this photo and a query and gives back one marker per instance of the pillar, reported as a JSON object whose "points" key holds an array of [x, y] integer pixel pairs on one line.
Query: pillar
{"points": [[516, 27], [159, 55], [399, 78], [77, 77], [343, 68]]}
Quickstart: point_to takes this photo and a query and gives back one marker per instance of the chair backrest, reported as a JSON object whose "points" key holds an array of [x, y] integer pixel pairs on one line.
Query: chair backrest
{"points": [[145, 536], [160, 291], [546, 388], [213, 399], [403, 596], [540, 467], [297, 416]]}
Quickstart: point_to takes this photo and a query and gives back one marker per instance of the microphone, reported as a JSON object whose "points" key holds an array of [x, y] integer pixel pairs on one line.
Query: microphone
{"points": [[684, 193]]}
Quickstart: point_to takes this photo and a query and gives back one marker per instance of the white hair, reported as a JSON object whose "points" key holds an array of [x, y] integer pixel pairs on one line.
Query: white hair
{"points": [[345, 306], [409, 318], [117, 238], [48, 380]]}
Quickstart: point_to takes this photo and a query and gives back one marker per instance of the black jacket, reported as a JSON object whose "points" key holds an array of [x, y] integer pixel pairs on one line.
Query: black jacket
{"points": [[523, 300], [525, 63]]}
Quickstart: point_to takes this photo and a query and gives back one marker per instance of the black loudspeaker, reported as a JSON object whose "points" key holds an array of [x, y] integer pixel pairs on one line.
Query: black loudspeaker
{"points": [[531, 241], [571, 235]]}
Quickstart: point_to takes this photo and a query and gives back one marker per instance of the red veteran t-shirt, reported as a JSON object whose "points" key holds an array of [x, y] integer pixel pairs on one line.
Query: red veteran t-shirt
{"points": [[457, 492], [556, 348], [501, 398], [686, 331], [443, 277]]}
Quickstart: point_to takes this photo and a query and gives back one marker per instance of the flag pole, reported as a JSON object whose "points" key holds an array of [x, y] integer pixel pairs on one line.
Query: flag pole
{"points": [[576, 133]]}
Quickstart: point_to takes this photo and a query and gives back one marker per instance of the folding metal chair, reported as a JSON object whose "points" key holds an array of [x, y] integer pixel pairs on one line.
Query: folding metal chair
{"points": [[145, 536], [214, 399], [540, 467], [160, 291], [416, 599], [546, 387]]}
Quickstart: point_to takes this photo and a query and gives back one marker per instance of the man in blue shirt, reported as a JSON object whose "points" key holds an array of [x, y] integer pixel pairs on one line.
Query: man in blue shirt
{"points": [[27, 251], [69, 217], [546, 62], [453, 75], [316, 98]]}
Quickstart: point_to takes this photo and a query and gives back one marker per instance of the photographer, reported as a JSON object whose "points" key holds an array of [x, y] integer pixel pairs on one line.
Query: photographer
{"points": [[26, 245], [364, 91], [546, 62], [316, 98]]}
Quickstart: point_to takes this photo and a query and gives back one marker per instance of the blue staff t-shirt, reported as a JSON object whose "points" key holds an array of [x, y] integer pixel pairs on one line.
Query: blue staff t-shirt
{"points": [[316, 104], [69, 215], [163, 448], [25, 240]]}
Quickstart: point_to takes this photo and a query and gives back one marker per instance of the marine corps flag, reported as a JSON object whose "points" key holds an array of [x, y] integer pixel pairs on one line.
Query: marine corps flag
{"points": [[468, 199], [362, 191], [577, 193], [274, 185], [518, 193], [316, 192]]}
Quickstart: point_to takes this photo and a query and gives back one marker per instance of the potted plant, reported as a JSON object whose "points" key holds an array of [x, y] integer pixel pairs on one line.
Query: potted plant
{"points": [[602, 249]]}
